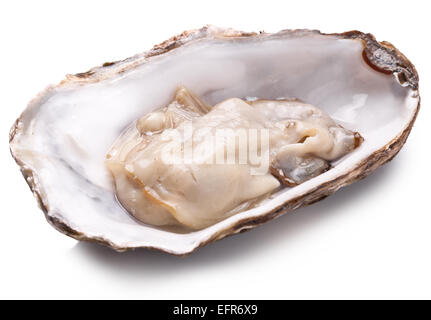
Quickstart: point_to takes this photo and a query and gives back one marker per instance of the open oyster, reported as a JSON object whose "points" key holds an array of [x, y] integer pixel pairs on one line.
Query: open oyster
{"points": [[61, 139]]}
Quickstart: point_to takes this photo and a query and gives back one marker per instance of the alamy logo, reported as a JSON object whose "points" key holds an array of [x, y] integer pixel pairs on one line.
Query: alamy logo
{"points": [[222, 146]]}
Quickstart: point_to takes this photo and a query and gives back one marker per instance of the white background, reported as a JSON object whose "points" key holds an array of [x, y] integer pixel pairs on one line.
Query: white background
{"points": [[370, 240]]}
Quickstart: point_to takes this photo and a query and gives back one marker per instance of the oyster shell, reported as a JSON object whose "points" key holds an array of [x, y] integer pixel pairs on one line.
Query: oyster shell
{"points": [[61, 139]]}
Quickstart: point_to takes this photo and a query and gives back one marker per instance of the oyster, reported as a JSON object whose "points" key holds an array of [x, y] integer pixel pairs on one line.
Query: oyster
{"points": [[192, 165], [61, 139]]}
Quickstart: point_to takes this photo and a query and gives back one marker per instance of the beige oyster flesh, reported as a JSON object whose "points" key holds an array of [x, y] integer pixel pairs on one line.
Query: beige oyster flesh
{"points": [[336, 107], [160, 184]]}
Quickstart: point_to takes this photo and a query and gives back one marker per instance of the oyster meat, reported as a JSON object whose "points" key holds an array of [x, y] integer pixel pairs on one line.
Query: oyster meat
{"points": [[160, 183], [90, 147]]}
